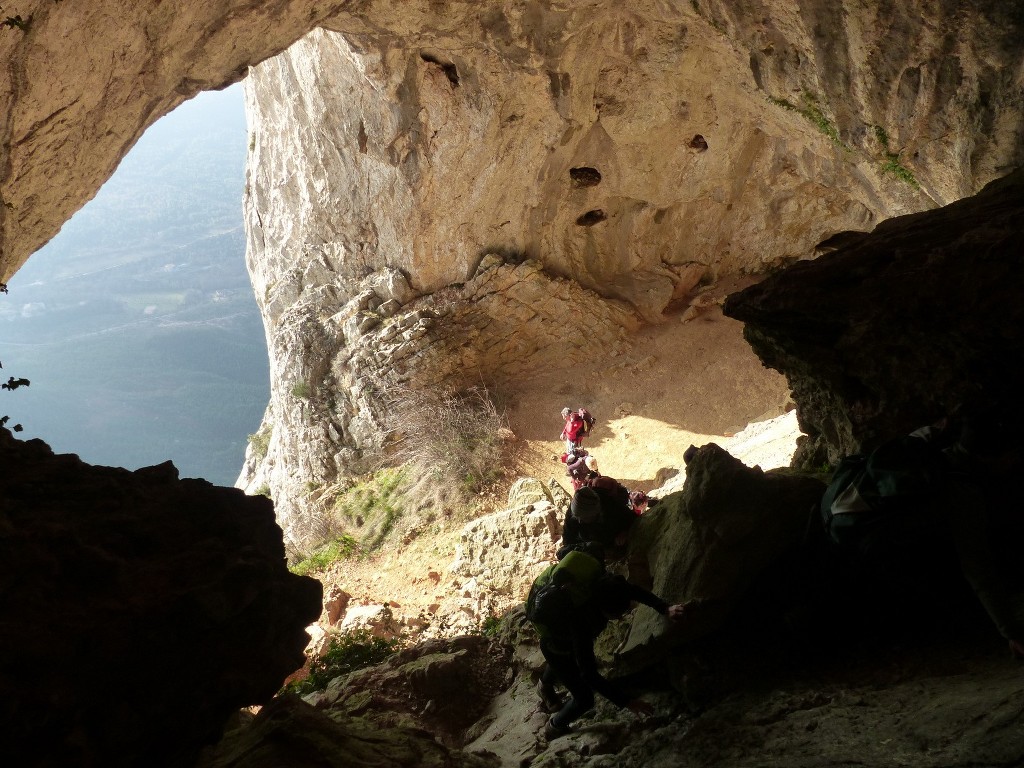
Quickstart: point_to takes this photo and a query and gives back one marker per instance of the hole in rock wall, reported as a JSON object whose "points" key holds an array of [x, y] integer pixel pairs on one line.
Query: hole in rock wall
{"points": [[585, 176], [449, 68], [590, 218], [137, 324]]}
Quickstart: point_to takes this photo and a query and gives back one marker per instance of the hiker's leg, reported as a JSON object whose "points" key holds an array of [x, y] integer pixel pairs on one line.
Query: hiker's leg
{"points": [[548, 677], [549, 697], [581, 696]]}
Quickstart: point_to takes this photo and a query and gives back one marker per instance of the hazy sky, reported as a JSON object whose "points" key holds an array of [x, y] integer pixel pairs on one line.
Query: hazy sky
{"points": [[136, 324]]}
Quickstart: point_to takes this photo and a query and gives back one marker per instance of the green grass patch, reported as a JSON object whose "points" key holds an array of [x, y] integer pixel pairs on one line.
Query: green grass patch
{"points": [[347, 653], [810, 108], [892, 165], [340, 548], [374, 504], [302, 390]]}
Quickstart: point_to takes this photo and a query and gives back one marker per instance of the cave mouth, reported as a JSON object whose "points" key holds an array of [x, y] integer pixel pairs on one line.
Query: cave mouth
{"points": [[136, 324]]}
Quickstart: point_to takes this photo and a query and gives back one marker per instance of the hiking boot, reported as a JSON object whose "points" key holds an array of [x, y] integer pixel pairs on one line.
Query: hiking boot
{"points": [[550, 701], [553, 731]]}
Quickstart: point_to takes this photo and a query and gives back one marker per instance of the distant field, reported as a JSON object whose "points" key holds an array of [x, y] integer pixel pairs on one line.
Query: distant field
{"points": [[136, 324]]}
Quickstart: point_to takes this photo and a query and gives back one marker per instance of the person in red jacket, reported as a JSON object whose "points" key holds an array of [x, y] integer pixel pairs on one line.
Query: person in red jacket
{"points": [[573, 430]]}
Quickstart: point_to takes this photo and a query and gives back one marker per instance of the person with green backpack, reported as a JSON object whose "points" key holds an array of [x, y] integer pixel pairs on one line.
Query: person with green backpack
{"points": [[570, 604]]}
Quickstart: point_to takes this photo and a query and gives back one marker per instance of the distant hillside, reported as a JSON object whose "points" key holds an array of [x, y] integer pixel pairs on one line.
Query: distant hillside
{"points": [[136, 324]]}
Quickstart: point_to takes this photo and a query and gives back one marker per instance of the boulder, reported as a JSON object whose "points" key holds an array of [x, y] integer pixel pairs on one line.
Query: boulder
{"points": [[137, 610]]}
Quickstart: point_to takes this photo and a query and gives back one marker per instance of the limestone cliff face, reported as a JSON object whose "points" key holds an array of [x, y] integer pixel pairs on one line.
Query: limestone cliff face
{"points": [[633, 150]]}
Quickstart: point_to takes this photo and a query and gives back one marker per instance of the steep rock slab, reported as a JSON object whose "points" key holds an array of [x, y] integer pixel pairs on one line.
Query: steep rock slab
{"points": [[894, 331], [137, 610], [728, 528]]}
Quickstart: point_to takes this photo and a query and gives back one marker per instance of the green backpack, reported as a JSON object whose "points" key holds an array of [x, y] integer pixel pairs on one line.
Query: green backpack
{"points": [[561, 588]]}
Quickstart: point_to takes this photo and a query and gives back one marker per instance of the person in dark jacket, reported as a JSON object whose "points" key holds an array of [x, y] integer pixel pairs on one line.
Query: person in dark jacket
{"points": [[601, 515], [567, 643]]}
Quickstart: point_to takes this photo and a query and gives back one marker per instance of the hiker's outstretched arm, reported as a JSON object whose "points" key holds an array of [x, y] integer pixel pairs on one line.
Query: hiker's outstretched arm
{"points": [[640, 595]]}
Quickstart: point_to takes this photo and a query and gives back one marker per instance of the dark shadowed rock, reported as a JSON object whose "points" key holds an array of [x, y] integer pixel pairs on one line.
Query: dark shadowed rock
{"points": [[728, 529], [290, 732], [901, 326], [137, 610], [411, 710]]}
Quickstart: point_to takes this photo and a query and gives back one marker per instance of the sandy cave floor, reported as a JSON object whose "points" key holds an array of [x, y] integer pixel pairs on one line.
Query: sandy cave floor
{"points": [[680, 383]]}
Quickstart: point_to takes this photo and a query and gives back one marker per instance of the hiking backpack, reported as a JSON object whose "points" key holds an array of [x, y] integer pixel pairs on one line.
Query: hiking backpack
{"points": [[900, 477], [588, 421], [559, 589]]}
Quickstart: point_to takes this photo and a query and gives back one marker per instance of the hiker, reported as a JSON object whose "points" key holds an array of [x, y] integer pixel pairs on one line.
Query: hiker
{"points": [[639, 501], [920, 509], [579, 468], [598, 514], [570, 604], [578, 425]]}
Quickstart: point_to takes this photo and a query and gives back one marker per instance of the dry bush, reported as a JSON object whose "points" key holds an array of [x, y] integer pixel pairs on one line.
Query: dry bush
{"points": [[455, 443]]}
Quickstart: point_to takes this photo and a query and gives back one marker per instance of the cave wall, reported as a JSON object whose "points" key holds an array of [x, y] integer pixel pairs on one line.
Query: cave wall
{"points": [[636, 151], [138, 611]]}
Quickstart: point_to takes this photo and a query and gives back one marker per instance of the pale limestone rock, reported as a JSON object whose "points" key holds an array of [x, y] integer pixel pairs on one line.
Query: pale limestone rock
{"points": [[499, 554], [527, 491], [319, 640], [377, 619]]}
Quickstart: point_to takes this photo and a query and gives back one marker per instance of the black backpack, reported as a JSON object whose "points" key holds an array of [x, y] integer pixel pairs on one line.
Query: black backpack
{"points": [[901, 477]]}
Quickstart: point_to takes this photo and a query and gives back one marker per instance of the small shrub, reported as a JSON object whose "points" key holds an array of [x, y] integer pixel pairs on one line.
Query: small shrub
{"points": [[490, 626], [340, 548], [454, 442], [16, 22], [347, 653], [263, 490], [302, 390], [260, 442]]}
